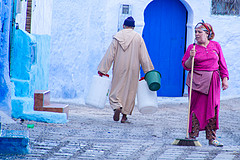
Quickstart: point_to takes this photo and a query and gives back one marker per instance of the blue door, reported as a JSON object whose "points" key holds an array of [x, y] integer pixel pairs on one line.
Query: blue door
{"points": [[164, 34]]}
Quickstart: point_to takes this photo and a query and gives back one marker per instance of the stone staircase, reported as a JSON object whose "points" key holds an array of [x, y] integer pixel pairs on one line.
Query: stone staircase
{"points": [[42, 103]]}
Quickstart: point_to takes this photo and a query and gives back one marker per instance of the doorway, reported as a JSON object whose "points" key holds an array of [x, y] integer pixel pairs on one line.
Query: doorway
{"points": [[165, 36]]}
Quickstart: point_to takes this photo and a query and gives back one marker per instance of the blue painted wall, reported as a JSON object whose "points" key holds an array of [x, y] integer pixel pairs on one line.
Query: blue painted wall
{"points": [[29, 63], [24, 68], [5, 15], [20, 67], [29, 70]]}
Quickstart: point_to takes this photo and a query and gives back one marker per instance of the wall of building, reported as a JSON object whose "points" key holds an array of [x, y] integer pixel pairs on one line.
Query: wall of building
{"points": [[5, 16], [29, 72], [80, 37], [82, 31], [41, 16], [30, 62], [21, 12], [228, 35]]}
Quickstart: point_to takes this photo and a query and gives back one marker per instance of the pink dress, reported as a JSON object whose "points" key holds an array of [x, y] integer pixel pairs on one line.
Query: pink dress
{"points": [[208, 58]]}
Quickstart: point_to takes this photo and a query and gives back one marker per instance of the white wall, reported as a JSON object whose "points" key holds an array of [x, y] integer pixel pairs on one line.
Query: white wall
{"points": [[82, 31], [41, 16], [227, 33], [21, 14]]}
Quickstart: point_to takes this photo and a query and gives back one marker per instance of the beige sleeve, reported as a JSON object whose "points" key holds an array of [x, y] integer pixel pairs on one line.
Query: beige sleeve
{"points": [[145, 60], [108, 58]]}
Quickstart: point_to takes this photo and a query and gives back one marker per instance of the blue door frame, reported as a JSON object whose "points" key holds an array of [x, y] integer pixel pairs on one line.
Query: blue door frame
{"points": [[165, 36]]}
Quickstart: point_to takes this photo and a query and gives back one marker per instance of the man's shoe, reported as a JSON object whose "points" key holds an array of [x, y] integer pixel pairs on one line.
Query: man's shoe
{"points": [[116, 114], [215, 143], [124, 119]]}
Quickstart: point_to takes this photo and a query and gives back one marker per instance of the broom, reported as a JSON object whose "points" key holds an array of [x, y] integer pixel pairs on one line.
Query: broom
{"points": [[187, 141]]}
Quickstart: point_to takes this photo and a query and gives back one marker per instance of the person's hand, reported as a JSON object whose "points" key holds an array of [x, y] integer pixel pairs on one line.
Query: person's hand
{"points": [[188, 62], [192, 52], [225, 83], [141, 79], [102, 74]]}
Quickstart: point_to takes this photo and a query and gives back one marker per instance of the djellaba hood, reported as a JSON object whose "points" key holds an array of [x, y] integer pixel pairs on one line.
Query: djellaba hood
{"points": [[125, 37]]}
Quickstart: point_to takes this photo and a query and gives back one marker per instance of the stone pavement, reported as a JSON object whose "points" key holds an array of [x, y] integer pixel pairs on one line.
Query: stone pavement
{"points": [[92, 134]]}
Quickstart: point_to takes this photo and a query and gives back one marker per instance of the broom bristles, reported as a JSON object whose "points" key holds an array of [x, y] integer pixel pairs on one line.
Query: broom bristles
{"points": [[186, 142]]}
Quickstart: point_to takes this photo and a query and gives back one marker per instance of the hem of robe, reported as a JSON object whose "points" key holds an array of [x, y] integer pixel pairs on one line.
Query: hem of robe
{"points": [[118, 105]]}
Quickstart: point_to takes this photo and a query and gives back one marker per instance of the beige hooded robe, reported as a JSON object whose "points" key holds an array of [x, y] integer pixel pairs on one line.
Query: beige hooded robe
{"points": [[127, 52]]}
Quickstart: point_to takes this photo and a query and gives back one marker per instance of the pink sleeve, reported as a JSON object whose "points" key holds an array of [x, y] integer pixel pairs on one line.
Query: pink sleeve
{"points": [[222, 63], [186, 56]]}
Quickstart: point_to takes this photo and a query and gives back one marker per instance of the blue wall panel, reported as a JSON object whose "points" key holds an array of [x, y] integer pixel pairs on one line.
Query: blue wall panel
{"points": [[21, 56], [5, 16], [29, 72]]}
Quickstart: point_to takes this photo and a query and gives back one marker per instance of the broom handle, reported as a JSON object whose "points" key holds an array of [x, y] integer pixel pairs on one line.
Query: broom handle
{"points": [[190, 94]]}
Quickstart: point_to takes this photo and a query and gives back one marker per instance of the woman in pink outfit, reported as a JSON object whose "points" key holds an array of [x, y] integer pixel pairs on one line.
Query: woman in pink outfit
{"points": [[209, 62]]}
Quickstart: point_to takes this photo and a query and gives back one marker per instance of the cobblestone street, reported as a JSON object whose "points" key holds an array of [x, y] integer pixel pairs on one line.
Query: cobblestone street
{"points": [[92, 134]]}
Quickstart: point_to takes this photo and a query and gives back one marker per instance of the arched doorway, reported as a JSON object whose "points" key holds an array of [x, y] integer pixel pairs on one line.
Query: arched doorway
{"points": [[165, 37]]}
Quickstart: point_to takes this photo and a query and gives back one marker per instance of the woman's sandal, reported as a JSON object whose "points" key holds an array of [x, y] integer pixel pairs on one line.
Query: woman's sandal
{"points": [[215, 143], [116, 114]]}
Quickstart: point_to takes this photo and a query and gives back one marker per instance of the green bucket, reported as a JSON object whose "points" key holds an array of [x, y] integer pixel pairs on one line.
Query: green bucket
{"points": [[153, 79]]}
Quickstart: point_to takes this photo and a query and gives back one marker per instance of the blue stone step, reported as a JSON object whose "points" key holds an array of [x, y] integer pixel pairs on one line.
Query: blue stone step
{"points": [[14, 142]]}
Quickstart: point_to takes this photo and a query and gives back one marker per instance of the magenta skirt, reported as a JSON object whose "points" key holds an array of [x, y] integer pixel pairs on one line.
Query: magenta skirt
{"points": [[203, 105]]}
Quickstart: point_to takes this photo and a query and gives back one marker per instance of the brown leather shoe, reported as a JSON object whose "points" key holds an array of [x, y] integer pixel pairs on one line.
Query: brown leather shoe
{"points": [[124, 119], [116, 114]]}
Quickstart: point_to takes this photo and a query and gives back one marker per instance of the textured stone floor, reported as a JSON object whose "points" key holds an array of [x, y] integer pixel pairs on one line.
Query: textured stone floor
{"points": [[92, 134]]}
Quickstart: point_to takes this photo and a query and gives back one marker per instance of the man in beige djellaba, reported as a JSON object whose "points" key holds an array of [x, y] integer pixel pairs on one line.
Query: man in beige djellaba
{"points": [[126, 52]]}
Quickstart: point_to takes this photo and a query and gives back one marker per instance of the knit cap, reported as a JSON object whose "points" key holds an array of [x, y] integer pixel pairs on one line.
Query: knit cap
{"points": [[129, 22]]}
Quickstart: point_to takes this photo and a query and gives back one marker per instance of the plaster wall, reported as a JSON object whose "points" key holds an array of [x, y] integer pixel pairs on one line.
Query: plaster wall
{"points": [[227, 33], [30, 62], [83, 30], [41, 16], [5, 15], [21, 12], [80, 37], [29, 72]]}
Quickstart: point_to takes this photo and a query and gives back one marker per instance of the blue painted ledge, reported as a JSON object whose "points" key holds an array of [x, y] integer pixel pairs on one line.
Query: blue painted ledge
{"points": [[14, 142], [23, 108], [44, 116]]}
